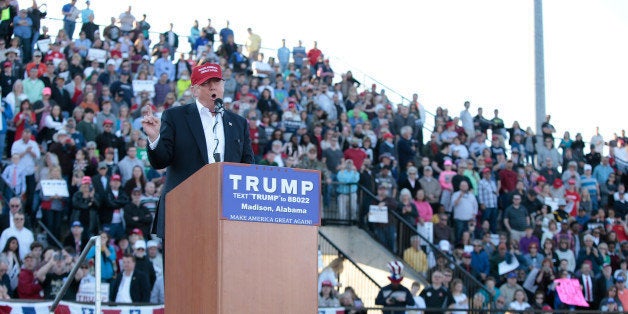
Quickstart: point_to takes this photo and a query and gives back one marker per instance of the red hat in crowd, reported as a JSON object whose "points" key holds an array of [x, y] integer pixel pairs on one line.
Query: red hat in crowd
{"points": [[116, 177], [387, 135], [557, 183], [485, 170], [488, 160], [541, 179], [137, 231], [86, 180], [107, 122], [571, 181], [204, 72], [326, 283]]}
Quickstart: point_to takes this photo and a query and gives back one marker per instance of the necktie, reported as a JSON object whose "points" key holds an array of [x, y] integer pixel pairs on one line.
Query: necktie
{"points": [[14, 177], [587, 286]]}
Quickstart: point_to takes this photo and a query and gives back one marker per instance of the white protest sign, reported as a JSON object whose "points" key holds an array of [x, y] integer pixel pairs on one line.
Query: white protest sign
{"points": [[143, 85], [378, 214], [54, 187], [97, 54], [43, 45], [427, 231]]}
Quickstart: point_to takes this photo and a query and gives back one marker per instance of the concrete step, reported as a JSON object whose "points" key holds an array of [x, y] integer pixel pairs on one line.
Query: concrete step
{"points": [[371, 256]]}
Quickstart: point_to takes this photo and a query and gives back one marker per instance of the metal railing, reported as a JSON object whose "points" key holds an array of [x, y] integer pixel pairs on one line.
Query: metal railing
{"points": [[403, 230], [93, 241], [50, 235], [478, 310], [353, 275]]}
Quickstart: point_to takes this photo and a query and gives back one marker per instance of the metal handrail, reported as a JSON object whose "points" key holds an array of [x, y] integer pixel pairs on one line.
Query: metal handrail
{"points": [[59, 244], [347, 257], [95, 240], [430, 244]]}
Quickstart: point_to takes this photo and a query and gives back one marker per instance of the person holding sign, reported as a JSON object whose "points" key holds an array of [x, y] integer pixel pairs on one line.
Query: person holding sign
{"points": [[190, 136]]}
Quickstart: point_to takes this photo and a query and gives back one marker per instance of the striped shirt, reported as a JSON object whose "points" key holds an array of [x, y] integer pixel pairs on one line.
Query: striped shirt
{"points": [[589, 183]]}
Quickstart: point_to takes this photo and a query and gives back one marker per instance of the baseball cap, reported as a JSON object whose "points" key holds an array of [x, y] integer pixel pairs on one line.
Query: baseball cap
{"points": [[485, 170], [151, 243], [587, 167], [115, 177], [204, 72], [46, 91], [466, 255], [511, 275], [388, 135], [86, 180], [102, 165], [326, 283], [448, 162], [107, 122], [77, 223], [140, 244], [138, 232]]}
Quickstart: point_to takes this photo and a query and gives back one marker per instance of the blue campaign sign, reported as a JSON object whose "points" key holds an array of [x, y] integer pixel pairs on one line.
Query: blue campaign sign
{"points": [[271, 194]]}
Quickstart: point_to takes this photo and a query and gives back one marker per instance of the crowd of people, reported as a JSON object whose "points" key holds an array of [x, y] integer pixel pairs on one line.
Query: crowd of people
{"points": [[76, 161]]}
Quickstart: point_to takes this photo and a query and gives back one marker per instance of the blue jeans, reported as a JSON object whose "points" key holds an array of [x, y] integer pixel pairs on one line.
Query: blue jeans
{"points": [[68, 28], [387, 236], [52, 220], [461, 226], [490, 214]]}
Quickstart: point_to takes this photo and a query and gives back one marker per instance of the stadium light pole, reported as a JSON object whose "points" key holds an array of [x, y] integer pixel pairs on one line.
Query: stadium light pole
{"points": [[539, 65]]}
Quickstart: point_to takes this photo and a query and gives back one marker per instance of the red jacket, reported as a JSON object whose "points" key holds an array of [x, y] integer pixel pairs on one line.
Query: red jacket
{"points": [[28, 287]]}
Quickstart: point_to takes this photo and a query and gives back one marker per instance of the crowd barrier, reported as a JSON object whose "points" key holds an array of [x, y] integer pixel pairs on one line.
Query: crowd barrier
{"points": [[13, 307]]}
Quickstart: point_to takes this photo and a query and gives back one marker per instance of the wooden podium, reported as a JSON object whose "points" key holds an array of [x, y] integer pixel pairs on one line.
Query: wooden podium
{"points": [[218, 265]]}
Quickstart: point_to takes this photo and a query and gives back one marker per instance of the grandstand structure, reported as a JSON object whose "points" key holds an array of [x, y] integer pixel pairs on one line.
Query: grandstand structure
{"points": [[572, 190]]}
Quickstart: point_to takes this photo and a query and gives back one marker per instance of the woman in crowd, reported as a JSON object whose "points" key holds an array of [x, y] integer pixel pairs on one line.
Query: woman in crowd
{"points": [[24, 119], [11, 256]]}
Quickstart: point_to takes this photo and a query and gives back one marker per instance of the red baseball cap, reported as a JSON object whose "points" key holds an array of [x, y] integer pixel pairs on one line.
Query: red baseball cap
{"points": [[204, 72], [116, 177], [541, 179], [388, 135]]}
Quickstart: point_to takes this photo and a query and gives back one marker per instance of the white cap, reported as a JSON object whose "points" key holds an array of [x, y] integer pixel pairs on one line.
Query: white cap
{"points": [[587, 167], [151, 243], [140, 244]]}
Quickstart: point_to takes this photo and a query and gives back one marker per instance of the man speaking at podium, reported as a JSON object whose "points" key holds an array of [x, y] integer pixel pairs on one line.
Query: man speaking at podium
{"points": [[190, 136]]}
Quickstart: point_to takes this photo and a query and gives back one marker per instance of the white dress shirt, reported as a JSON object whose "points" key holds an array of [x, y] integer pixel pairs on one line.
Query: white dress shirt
{"points": [[124, 291]]}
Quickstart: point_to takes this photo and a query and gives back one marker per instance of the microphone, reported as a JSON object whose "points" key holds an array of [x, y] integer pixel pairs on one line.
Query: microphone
{"points": [[219, 106]]}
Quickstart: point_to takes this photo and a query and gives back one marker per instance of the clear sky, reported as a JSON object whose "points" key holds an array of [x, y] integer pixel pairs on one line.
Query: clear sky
{"points": [[447, 51]]}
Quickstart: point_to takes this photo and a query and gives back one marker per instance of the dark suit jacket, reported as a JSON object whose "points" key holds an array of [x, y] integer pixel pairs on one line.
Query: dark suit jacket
{"points": [[140, 287], [183, 149], [594, 289], [5, 221]]}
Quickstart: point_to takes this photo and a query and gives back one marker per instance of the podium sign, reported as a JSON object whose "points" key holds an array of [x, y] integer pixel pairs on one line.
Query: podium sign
{"points": [[271, 195]]}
